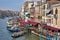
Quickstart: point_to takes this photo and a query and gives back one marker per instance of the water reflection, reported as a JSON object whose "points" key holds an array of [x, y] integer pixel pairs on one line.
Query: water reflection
{"points": [[6, 35]]}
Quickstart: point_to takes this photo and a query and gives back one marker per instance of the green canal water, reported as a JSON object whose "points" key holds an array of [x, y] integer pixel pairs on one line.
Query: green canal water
{"points": [[6, 35]]}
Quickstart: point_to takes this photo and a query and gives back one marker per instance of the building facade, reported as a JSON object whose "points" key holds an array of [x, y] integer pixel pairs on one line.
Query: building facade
{"points": [[42, 12]]}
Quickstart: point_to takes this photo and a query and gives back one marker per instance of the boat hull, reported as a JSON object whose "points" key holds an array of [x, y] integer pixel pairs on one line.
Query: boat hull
{"points": [[16, 35], [13, 30]]}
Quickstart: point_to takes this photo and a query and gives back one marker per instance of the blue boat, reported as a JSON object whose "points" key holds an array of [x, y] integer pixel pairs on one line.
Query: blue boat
{"points": [[13, 30]]}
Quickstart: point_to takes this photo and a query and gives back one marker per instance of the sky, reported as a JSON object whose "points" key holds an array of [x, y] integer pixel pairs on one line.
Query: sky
{"points": [[11, 4], [15, 5]]}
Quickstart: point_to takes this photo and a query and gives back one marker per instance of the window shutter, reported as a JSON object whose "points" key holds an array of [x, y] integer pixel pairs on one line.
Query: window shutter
{"points": [[28, 15]]}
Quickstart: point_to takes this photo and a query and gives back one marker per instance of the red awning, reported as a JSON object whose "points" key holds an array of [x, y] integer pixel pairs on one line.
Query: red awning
{"points": [[50, 27], [23, 22], [33, 23]]}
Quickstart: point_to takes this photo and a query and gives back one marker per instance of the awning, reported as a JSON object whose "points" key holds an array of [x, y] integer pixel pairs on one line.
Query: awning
{"points": [[23, 22], [33, 23], [48, 12], [50, 27]]}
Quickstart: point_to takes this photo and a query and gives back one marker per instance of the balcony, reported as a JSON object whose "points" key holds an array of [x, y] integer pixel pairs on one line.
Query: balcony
{"points": [[50, 15], [43, 17]]}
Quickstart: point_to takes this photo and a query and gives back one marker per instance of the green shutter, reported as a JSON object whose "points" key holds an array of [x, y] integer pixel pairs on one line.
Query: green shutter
{"points": [[28, 15]]}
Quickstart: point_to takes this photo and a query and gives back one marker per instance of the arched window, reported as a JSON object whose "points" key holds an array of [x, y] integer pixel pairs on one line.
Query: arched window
{"points": [[55, 16], [56, 11]]}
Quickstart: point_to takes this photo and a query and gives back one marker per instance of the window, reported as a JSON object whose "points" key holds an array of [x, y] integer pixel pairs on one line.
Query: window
{"points": [[44, 7], [39, 17], [56, 11], [52, 11], [43, 13], [55, 15], [26, 10], [49, 20], [32, 5]]}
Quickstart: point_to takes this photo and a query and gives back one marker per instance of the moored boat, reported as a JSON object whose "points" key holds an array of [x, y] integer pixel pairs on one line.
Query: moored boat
{"points": [[18, 34], [13, 30], [12, 25]]}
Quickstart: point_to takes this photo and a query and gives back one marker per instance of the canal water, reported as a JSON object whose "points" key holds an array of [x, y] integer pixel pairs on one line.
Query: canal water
{"points": [[6, 35]]}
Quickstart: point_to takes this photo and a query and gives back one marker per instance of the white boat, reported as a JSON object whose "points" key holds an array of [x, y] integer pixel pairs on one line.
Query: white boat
{"points": [[18, 34]]}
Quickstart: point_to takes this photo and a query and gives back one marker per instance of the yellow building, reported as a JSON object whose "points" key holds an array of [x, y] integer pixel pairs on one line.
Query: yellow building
{"points": [[42, 12], [52, 15], [56, 13]]}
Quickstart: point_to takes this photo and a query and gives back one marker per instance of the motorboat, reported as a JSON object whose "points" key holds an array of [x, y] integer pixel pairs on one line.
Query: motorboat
{"points": [[14, 29], [10, 23], [18, 34]]}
